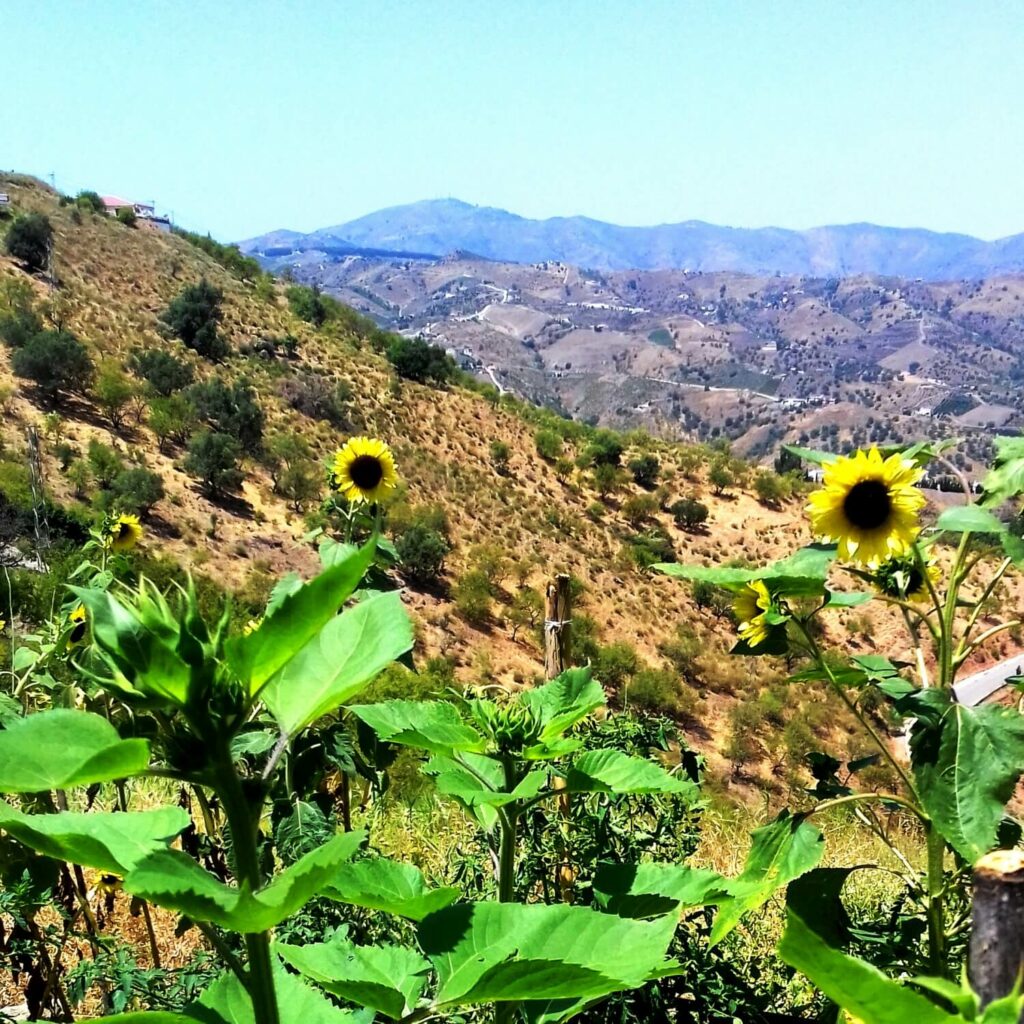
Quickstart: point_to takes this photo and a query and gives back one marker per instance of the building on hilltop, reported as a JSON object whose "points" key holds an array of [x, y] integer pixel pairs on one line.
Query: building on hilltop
{"points": [[145, 211]]}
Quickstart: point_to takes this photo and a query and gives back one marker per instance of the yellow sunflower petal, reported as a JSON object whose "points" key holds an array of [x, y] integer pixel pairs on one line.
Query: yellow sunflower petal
{"points": [[364, 470]]}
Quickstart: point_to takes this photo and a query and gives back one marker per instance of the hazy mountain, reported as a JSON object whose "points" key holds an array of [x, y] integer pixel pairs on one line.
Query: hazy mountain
{"points": [[439, 226]]}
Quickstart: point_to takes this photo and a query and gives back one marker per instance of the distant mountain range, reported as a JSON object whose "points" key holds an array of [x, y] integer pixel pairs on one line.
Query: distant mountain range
{"points": [[436, 227]]}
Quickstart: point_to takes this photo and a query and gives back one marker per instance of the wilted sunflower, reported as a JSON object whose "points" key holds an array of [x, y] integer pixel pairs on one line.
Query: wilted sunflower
{"points": [[749, 608], [868, 505], [123, 533], [79, 626], [901, 577], [364, 470]]}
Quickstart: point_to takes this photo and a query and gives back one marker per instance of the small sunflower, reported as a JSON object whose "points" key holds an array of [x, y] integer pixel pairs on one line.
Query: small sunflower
{"points": [[868, 505], [749, 608], [79, 624], [364, 470], [901, 577], [123, 533]]}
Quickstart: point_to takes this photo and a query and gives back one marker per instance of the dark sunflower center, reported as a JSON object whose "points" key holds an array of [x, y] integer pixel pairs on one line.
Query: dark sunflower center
{"points": [[867, 504], [915, 580], [78, 632], [366, 472], [123, 531]]}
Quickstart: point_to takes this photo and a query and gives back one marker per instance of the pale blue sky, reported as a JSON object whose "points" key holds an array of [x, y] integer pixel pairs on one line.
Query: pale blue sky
{"points": [[248, 116]]}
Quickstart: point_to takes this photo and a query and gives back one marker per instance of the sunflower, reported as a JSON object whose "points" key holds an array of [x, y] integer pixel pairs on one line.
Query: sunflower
{"points": [[364, 470], [252, 625], [123, 533], [79, 626], [749, 608], [868, 505], [901, 577]]}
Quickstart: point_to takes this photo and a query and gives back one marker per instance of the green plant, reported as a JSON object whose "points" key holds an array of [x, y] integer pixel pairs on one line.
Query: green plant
{"points": [[113, 392], [127, 216], [869, 508], [55, 361], [230, 409], [30, 240], [163, 373], [214, 460], [549, 444], [689, 513], [472, 594], [499, 452], [194, 315], [645, 469], [422, 551], [418, 360]]}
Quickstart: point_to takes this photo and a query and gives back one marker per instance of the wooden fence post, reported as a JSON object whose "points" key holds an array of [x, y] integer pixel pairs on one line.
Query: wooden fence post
{"points": [[997, 925], [557, 613]]}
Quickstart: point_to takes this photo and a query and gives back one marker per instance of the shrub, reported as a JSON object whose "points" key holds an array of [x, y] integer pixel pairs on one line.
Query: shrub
{"points": [[720, 478], [422, 551], [689, 513], [499, 456], [549, 444], [29, 239], [104, 462], [607, 479], [473, 597], [230, 410], [639, 508], [164, 373], [645, 470], [172, 419], [300, 483], [650, 547], [137, 490], [307, 304], [56, 361], [19, 327], [769, 487], [193, 316], [527, 609], [605, 449], [126, 215], [89, 200], [113, 393], [283, 450], [654, 689], [615, 663], [228, 256], [316, 397], [717, 600], [416, 359], [213, 458]]}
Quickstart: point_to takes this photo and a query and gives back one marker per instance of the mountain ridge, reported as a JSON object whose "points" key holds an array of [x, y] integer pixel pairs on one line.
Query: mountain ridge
{"points": [[433, 227]]}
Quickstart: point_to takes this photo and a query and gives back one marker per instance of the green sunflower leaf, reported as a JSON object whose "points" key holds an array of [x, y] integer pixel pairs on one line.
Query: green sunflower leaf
{"points": [[612, 771], [969, 519], [388, 886], [63, 748], [1005, 480], [431, 725]]}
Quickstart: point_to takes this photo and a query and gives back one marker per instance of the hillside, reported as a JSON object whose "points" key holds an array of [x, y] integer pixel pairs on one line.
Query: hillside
{"points": [[754, 359], [440, 226], [516, 518]]}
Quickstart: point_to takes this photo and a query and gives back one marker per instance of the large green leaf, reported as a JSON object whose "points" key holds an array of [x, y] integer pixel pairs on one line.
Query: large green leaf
{"points": [[496, 952], [480, 780], [388, 979], [612, 771], [387, 885], [111, 842], [1005, 480], [62, 748], [227, 1002], [819, 458], [174, 880], [564, 701], [779, 852], [339, 661], [969, 519], [967, 768], [650, 890], [803, 572], [429, 725], [861, 989], [296, 620]]}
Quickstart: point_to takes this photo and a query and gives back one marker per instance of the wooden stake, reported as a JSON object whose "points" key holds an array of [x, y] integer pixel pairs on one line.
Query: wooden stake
{"points": [[997, 927], [557, 613]]}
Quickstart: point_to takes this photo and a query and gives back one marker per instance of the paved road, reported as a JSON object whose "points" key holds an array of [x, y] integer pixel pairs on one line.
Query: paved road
{"points": [[974, 689]]}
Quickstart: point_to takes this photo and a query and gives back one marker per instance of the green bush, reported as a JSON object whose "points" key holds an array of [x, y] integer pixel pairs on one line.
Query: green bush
{"points": [[549, 444], [55, 361], [230, 410], [172, 419], [769, 488], [90, 201], [113, 393], [29, 239], [416, 359], [422, 551], [127, 216], [720, 478], [689, 513], [307, 304], [499, 451], [473, 597], [228, 256], [654, 689], [639, 508], [213, 459], [645, 469], [605, 449], [136, 490], [615, 664], [194, 316], [317, 397], [164, 373]]}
